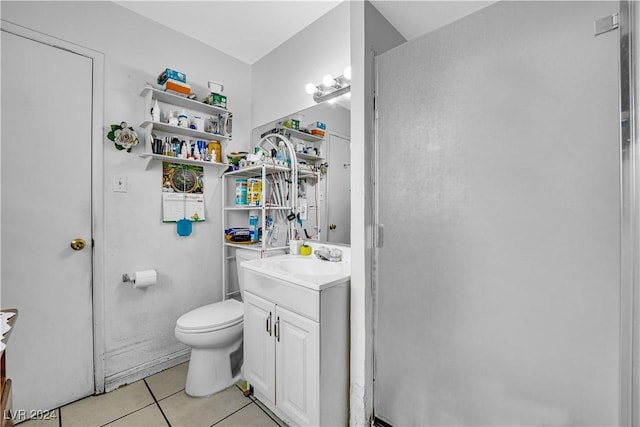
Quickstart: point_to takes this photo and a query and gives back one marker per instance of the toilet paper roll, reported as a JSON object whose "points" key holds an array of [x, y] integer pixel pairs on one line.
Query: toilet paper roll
{"points": [[144, 278]]}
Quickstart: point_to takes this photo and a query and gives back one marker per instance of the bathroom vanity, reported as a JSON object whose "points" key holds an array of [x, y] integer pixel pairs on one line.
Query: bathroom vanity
{"points": [[296, 337]]}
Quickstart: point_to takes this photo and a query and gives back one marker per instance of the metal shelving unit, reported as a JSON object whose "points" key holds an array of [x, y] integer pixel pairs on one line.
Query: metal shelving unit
{"points": [[264, 172]]}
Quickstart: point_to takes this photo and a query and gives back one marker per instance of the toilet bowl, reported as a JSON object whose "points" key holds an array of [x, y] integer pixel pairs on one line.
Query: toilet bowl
{"points": [[214, 333]]}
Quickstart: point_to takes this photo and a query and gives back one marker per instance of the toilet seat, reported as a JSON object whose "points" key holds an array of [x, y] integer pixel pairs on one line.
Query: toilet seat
{"points": [[212, 317]]}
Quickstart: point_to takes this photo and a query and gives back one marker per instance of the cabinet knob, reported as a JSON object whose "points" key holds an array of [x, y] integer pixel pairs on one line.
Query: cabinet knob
{"points": [[332, 226]]}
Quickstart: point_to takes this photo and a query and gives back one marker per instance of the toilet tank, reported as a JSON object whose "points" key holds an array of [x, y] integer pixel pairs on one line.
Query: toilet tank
{"points": [[246, 255]]}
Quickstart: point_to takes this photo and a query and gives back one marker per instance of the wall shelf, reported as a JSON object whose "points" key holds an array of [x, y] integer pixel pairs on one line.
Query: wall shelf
{"points": [[179, 130], [170, 100], [256, 246], [181, 101], [300, 135], [182, 161], [309, 157], [256, 170], [249, 208]]}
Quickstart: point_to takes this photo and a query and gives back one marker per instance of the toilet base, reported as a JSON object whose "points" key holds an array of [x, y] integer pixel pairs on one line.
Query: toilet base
{"points": [[211, 371]]}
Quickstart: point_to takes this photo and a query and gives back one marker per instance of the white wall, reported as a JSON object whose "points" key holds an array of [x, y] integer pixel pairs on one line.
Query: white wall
{"points": [[370, 31], [138, 324], [279, 78]]}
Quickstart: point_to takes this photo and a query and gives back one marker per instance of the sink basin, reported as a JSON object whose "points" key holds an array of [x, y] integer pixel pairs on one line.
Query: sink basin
{"points": [[309, 267], [307, 271]]}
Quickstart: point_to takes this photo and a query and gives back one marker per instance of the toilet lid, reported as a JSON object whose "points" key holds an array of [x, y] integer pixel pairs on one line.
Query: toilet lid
{"points": [[212, 316]]}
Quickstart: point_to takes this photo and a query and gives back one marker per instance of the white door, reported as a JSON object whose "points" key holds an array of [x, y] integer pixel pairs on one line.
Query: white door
{"points": [[46, 203], [339, 190], [259, 364], [298, 367]]}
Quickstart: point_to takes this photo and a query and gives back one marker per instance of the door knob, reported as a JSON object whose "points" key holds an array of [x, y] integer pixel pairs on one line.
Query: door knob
{"points": [[78, 244], [332, 226]]}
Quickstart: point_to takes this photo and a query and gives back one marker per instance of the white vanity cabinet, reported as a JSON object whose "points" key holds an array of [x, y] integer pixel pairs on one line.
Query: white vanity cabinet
{"points": [[296, 349]]}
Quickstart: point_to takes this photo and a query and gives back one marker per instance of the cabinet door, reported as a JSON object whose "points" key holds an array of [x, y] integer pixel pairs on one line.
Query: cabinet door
{"points": [[259, 342], [297, 367]]}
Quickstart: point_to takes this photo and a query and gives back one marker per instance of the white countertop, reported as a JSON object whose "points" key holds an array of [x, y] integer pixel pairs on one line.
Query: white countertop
{"points": [[292, 268]]}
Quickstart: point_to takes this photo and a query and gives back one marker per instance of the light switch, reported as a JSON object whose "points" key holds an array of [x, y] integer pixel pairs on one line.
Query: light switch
{"points": [[119, 184]]}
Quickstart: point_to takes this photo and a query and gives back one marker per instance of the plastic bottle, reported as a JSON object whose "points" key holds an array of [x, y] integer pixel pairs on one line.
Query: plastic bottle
{"points": [[183, 119], [229, 125], [155, 111], [280, 152], [253, 228]]}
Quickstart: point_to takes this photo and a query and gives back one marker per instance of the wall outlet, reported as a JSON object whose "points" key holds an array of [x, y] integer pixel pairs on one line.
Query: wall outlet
{"points": [[119, 184]]}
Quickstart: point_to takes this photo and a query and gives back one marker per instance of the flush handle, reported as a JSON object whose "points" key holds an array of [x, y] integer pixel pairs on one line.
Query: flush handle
{"points": [[78, 244]]}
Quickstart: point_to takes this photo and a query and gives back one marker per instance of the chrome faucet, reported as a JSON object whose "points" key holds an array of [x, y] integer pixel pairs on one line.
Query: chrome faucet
{"points": [[325, 254]]}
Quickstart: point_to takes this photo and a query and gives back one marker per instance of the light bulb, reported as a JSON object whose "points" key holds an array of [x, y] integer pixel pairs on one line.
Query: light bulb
{"points": [[347, 73], [327, 80], [310, 88]]}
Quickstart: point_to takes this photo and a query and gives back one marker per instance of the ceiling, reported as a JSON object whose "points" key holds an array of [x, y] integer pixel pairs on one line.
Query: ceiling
{"points": [[250, 29]]}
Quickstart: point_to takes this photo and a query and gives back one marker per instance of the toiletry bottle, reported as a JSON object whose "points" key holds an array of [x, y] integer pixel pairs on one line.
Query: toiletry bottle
{"points": [[229, 124], [215, 151], [155, 112], [280, 152], [172, 119], [183, 119], [196, 151]]}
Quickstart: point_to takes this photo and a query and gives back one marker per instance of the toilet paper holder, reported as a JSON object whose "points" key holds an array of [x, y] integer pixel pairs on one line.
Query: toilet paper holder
{"points": [[140, 278]]}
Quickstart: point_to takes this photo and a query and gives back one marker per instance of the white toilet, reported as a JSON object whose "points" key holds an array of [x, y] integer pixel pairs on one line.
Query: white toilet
{"points": [[214, 333]]}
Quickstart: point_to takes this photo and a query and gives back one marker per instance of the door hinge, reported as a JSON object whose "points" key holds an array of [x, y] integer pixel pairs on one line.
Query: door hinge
{"points": [[606, 24]]}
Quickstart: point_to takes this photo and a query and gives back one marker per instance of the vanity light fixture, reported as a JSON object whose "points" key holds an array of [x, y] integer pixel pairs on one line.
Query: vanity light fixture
{"points": [[330, 88]]}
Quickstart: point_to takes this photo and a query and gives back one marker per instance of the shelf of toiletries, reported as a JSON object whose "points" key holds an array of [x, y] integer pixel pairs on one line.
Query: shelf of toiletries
{"points": [[256, 170], [264, 206], [299, 134], [181, 101], [184, 131], [173, 159], [255, 246], [308, 157]]}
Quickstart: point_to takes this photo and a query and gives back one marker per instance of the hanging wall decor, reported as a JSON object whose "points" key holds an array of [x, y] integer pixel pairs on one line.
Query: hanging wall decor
{"points": [[123, 136]]}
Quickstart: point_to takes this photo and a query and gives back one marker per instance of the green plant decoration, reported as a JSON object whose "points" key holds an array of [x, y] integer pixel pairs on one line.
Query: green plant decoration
{"points": [[123, 136]]}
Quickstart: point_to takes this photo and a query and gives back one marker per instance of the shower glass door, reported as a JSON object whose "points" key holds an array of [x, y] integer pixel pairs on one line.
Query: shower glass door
{"points": [[498, 287]]}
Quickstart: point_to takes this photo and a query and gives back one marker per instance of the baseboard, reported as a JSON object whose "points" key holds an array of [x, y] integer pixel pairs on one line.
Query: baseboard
{"points": [[139, 372]]}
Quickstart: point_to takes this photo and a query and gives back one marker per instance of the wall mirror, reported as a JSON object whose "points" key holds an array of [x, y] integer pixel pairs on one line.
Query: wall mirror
{"points": [[328, 217]]}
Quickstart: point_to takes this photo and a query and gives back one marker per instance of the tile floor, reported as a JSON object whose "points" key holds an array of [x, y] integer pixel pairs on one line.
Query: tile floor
{"points": [[160, 400]]}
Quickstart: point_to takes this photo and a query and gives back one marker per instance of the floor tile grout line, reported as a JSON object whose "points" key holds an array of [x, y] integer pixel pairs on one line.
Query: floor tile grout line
{"points": [[234, 412], [268, 415], [169, 395], [126, 415], [156, 401], [60, 416]]}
